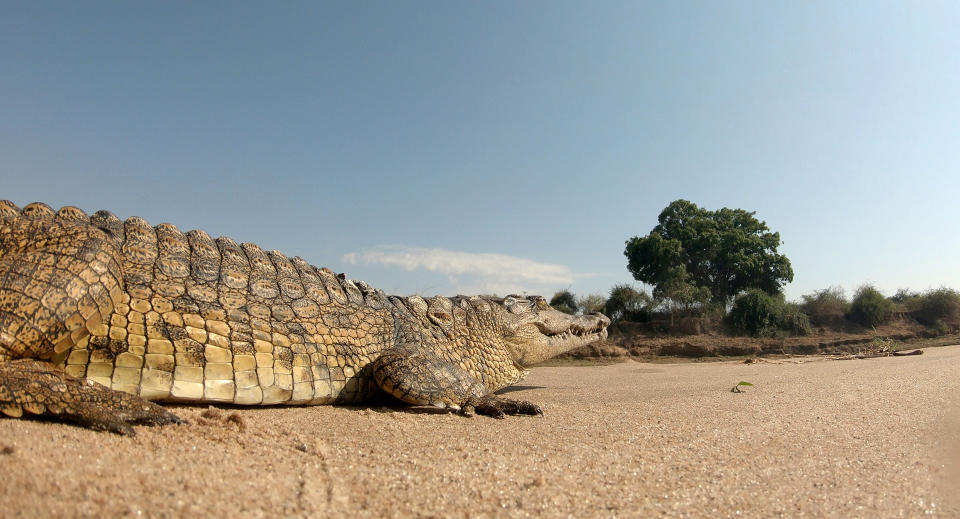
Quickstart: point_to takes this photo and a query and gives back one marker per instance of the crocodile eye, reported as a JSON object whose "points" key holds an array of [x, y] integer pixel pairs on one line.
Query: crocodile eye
{"points": [[542, 304], [517, 305]]}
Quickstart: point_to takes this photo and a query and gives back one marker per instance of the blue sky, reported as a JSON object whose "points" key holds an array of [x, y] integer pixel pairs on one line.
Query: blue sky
{"points": [[454, 147]]}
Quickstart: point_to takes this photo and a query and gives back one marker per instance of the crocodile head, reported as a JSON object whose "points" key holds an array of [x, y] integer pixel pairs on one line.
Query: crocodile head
{"points": [[534, 331]]}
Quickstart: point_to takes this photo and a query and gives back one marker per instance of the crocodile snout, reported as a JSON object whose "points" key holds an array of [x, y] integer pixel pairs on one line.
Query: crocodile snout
{"points": [[590, 323]]}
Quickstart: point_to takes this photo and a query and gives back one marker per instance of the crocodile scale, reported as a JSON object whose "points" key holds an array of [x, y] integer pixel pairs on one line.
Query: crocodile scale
{"points": [[100, 315]]}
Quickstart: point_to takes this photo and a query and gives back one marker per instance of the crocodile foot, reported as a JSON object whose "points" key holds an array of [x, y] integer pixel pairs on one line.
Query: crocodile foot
{"points": [[42, 388], [498, 406]]}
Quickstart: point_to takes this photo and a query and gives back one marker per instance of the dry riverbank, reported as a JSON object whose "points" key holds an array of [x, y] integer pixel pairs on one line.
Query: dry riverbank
{"points": [[856, 438], [642, 342]]}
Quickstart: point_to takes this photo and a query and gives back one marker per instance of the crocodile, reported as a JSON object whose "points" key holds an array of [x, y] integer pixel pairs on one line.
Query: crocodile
{"points": [[101, 318]]}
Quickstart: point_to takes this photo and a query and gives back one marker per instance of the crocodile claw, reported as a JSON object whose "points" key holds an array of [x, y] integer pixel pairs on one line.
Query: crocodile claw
{"points": [[498, 406]]}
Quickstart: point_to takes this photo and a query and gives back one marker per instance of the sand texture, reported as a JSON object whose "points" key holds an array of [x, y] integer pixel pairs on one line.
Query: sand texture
{"points": [[811, 438]]}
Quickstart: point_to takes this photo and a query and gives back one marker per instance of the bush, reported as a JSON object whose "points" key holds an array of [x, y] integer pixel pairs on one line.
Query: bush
{"points": [[564, 301], [794, 320], [906, 297], [628, 304], [755, 313], [869, 307], [937, 306], [760, 314], [826, 307], [942, 328], [591, 304]]}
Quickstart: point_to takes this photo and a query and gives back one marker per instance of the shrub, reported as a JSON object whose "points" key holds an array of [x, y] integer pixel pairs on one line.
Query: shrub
{"points": [[628, 304], [760, 314], [794, 320], [905, 296], [942, 328], [564, 301], [755, 313], [869, 307], [682, 298], [826, 307], [941, 305], [591, 303]]}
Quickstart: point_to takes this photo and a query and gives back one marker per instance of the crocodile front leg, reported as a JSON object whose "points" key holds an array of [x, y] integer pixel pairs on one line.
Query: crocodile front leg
{"points": [[416, 375], [58, 280]]}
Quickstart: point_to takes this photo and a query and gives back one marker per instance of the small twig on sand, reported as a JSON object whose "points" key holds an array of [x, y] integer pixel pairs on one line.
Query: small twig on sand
{"points": [[905, 353], [873, 355]]}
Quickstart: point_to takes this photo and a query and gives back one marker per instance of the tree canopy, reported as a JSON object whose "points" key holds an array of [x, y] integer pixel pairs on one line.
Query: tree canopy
{"points": [[693, 252]]}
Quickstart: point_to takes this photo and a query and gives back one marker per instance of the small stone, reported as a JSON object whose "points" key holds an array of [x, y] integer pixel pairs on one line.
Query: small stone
{"points": [[235, 418], [211, 412]]}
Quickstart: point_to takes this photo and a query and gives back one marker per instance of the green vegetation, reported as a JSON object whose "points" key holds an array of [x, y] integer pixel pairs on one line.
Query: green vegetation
{"points": [[593, 303], [564, 301], [759, 314], [681, 297], [938, 307], [869, 307], [794, 320], [755, 313], [826, 307], [905, 297], [736, 388], [713, 268], [628, 304], [693, 255]]}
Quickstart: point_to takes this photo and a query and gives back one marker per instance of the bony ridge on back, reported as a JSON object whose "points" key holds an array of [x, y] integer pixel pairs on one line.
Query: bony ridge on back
{"points": [[101, 317]]}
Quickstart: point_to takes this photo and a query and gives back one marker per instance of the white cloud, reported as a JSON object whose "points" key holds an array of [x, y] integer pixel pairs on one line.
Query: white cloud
{"points": [[468, 271]]}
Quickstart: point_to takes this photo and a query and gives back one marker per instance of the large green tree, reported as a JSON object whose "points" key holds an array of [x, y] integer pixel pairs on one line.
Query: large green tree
{"points": [[695, 250]]}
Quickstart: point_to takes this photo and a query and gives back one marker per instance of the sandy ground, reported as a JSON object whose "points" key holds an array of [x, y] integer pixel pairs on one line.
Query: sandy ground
{"points": [[814, 438]]}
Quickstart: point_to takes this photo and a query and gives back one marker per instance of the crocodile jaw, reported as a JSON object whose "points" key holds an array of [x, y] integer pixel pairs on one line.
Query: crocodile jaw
{"points": [[569, 340], [537, 341]]}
